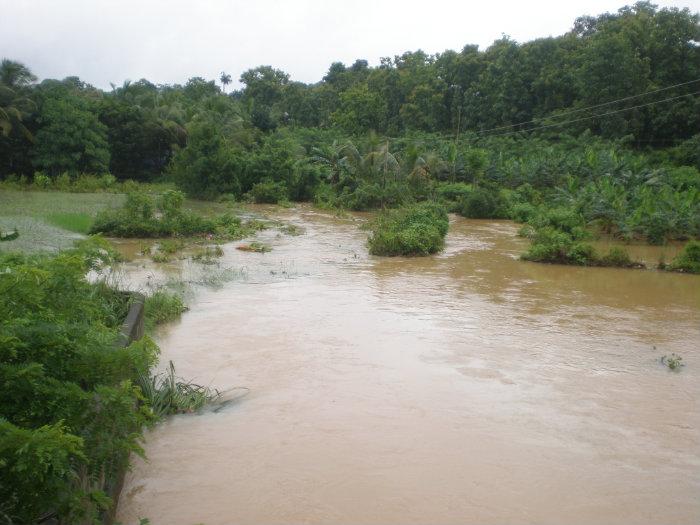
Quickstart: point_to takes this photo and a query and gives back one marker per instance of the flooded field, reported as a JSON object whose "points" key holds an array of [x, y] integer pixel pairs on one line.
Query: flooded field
{"points": [[468, 387]]}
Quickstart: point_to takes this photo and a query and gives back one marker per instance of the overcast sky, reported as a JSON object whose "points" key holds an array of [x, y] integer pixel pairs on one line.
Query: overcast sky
{"points": [[168, 41]]}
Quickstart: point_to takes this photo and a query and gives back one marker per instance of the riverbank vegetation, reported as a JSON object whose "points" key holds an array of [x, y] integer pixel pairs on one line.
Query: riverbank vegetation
{"points": [[75, 401], [71, 413]]}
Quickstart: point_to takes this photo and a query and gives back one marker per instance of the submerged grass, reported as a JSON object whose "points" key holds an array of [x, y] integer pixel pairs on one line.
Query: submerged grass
{"points": [[254, 246], [207, 254]]}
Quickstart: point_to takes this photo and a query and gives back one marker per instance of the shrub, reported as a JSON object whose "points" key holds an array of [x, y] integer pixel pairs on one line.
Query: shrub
{"points": [[304, 180], [325, 196], [549, 245], [483, 203], [523, 212], [370, 196], [581, 254], [138, 218], [41, 181], [63, 182], [268, 192], [414, 230], [453, 195], [562, 219], [689, 259], [618, 257], [70, 413], [657, 228], [365, 196]]}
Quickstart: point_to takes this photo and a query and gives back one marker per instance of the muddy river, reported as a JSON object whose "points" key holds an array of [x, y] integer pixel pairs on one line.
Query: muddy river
{"points": [[468, 387]]}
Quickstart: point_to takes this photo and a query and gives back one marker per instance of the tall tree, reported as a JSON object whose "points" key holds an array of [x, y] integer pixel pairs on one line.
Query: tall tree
{"points": [[225, 79], [70, 137]]}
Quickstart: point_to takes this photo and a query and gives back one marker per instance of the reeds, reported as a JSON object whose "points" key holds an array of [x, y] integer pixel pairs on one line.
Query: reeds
{"points": [[167, 394]]}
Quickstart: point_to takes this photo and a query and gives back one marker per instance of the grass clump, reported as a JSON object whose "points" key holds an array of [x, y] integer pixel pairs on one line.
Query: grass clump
{"points": [[419, 229], [144, 216], [688, 260], [162, 307]]}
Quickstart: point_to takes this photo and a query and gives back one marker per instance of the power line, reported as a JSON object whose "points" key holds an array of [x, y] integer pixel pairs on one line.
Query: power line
{"points": [[594, 116], [592, 107]]}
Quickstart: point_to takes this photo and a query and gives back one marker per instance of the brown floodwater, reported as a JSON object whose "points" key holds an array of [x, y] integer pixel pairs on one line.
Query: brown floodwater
{"points": [[467, 387]]}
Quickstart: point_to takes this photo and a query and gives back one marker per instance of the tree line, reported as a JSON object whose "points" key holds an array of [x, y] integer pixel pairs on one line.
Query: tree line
{"points": [[135, 130]]}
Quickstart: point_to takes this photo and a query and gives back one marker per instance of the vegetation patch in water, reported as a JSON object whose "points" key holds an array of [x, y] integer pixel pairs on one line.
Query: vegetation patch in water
{"points": [[167, 394], [418, 229], [163, 306], [254, 247], [673, 362], [551, 245], [688, 260], [207, 254]]}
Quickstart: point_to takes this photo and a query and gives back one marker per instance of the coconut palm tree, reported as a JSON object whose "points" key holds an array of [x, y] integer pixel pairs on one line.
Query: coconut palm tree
{"points": [[15, 74], [14, 106], [225, 79], [14, 109]]}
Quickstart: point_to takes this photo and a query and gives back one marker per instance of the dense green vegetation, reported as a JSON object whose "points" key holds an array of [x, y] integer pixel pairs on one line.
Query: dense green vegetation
{"points": [[75, 402], [143, 216], [419, 229], [594, 132], [70, 411], [603, 121], [688, 260]]}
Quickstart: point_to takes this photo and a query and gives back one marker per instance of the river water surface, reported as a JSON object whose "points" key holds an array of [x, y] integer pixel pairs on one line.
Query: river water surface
{"points": [[468, 387]]}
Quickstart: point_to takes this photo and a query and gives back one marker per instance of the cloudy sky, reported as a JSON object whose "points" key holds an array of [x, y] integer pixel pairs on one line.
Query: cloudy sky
{"points": [[168, 41]]}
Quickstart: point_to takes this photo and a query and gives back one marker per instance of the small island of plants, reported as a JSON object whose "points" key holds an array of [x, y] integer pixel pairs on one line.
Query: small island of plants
{"points": [[418, 229]]}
